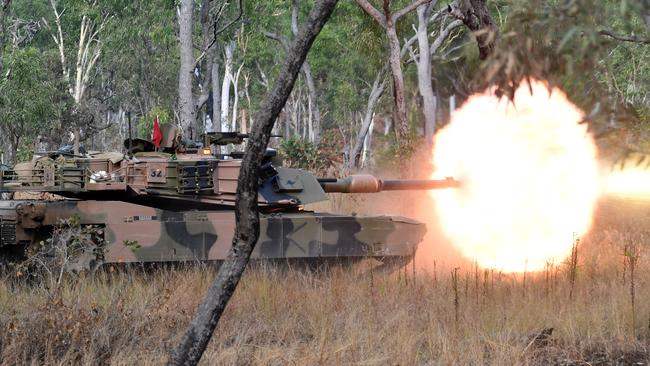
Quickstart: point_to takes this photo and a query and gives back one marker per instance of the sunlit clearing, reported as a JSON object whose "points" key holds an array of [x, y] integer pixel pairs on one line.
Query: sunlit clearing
{"points": [[529, 177]]}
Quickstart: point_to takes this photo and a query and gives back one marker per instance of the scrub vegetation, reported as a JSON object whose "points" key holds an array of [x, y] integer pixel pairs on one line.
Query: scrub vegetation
{"points": [[595, 310]]}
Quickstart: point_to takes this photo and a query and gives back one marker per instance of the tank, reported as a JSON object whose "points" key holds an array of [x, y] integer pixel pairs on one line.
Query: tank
{"points": [[176, 202]]}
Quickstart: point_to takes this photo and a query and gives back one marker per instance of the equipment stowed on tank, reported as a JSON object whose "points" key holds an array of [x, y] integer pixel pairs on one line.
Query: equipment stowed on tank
{"points": [[176, 203]]}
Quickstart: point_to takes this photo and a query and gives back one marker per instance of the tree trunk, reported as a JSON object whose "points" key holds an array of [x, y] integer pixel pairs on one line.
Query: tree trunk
{"points": [[185, 96], [235, 103], [401, 123], [373, 98], [375, 93], [225, 87], [14, 143], [247, 229], [88, 52], [388, 22], [309, 79], [476, 16], [4, 10], [207, 70], [423, 64], [367, 143], [246, 120], [315, 119], [216, 97]]}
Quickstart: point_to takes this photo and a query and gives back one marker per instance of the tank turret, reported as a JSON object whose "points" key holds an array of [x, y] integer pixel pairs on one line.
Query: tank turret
{"points": [[191, 178]]}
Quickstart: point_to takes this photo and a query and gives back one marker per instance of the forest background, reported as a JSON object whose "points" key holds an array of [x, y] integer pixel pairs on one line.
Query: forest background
{"points": [[80, 69]]}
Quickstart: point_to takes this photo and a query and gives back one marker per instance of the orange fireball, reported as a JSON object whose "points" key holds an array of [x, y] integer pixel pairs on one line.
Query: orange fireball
{"points": [[529, 175]]}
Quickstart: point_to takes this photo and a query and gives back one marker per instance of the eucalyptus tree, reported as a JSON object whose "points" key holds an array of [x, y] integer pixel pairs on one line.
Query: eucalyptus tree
{"points": [[186, 110], [88, 47], [422, 60], [137, 75], [202, 73], [426, 49], [387, 20], [313, 120], [4, 9]]}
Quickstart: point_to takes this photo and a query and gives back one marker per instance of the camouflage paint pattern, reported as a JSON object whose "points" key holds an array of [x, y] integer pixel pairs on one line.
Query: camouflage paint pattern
{"points": [[163, 235]]}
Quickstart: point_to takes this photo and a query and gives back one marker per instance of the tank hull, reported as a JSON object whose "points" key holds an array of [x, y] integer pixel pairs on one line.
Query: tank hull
{"points": [[137, 233]]}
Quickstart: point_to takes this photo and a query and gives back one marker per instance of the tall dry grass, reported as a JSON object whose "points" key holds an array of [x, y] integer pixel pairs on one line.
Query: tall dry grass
{"points": [[280, 315]]}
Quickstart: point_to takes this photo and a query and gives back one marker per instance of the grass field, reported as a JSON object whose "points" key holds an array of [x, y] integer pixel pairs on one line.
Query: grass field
{"points": [[281, 315]]}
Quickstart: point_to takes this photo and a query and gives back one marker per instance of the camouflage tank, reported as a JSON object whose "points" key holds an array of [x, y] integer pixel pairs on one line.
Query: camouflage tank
{"points": [[176, 203]]}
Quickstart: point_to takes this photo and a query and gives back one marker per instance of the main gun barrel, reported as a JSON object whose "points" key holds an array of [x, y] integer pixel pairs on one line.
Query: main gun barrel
{"points": [[370, 184]]}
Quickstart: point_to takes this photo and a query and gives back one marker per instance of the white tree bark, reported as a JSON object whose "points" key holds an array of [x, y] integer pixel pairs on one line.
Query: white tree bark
{"points": [[185, 97], [235, 103], [89, 49], [58, 40], [247, 121], [367, 143], [207, 69], [313, 124], [216, 98], [225, 87], [376, 91], [314, 117], [429, 102], [388, 21]]}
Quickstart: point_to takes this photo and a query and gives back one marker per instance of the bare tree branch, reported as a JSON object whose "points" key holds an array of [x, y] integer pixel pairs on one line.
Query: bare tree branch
{"points": [[374, 13], [407, 9], [239, 15], [376, 91], [476, 16], [443, 35], [284, 42], [632, 38], [216, 33]]}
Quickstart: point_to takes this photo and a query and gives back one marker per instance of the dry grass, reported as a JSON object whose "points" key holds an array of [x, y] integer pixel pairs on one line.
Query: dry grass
{"points": [[347, 316]]}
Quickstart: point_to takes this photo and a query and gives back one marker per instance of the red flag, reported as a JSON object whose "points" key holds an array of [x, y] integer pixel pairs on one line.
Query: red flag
{"points": [[157, 133]]}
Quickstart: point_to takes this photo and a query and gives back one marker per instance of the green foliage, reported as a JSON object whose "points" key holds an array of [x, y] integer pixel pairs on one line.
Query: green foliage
{"points": [[29, 100], [563, 42], [72, 247], [318, 158], [138, 67], [24, 152], [145, 123], [394, 154], [132, 244]]}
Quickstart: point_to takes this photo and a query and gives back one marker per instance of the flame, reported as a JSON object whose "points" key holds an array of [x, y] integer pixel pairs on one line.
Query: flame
{"points": [[628, 180], [529, 175]]}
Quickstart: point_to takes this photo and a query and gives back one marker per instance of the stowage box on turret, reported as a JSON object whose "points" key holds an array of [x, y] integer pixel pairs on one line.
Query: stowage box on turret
{"points": [[176, 203]]}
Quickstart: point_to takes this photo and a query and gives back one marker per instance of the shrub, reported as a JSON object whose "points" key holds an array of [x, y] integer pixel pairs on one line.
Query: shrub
{"points": [[316, 157]]}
